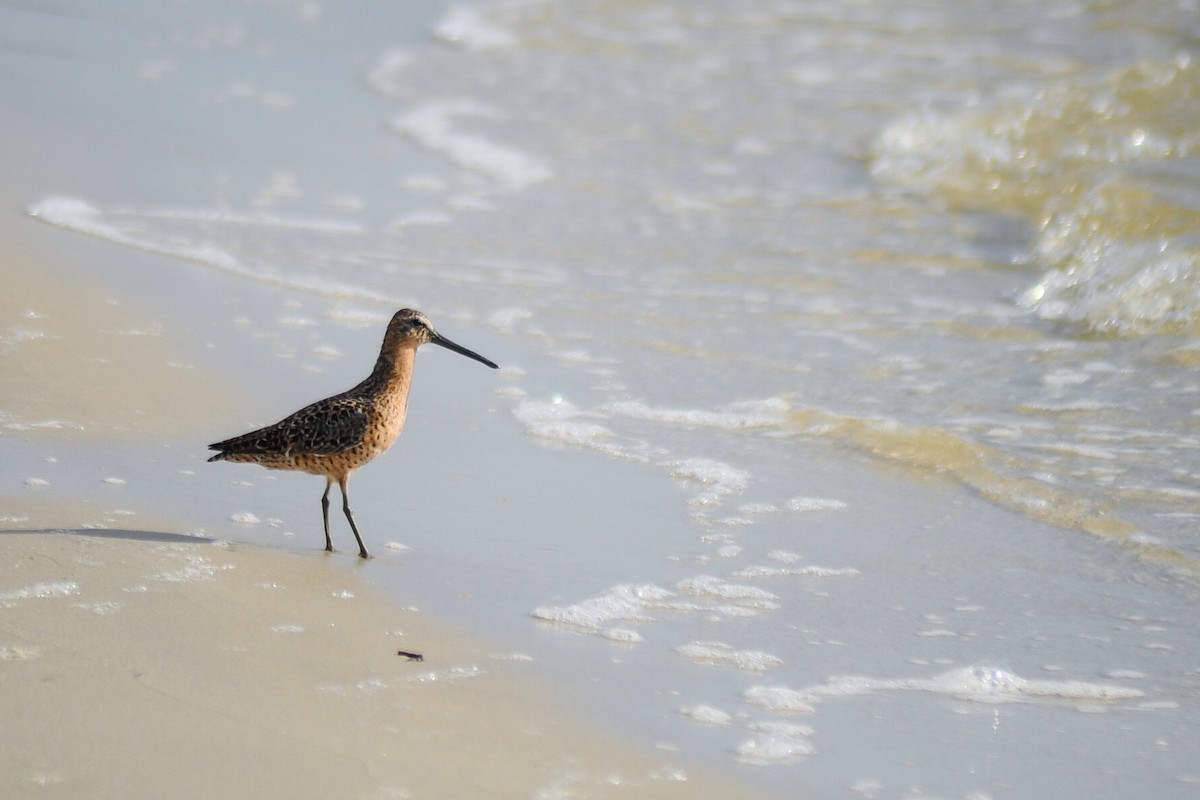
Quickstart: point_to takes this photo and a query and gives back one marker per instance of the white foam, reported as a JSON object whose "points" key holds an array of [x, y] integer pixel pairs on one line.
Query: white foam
{"points": [[255, 219], [776, 743], [77, 215], [431, 125], [993, 684], [815, 504], [707, 715], [781, 699], [622, 635], [748, 414], [708, 587], [721, 653], [757, 508], [469, 28], [197, 568], [451, 674], [625, 602], [980, 684], [768, 571], [244, 518], [40, 591], [560, 421], [717, 478], [287, 628]]}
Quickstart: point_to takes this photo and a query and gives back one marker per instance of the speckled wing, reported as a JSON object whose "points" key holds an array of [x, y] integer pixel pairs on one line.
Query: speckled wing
{"points": [[323, 428]]}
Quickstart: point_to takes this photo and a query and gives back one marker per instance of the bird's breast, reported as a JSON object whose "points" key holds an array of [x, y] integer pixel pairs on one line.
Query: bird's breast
{"points": [[387, 423]]}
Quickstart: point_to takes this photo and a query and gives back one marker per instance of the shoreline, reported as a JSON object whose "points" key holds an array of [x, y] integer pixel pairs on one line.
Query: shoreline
{"points": [[139, 658]]}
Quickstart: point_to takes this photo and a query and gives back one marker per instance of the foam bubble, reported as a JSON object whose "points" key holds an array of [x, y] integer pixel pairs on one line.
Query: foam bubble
{"points": [[431, 125], [40, 591], [721, 653], [708, 587], [768, 571], [561, 421], [769, 413], [777, 743], [707, 715], [994, 684], [781, 699], [197, 568], [451, 674], [624, 602], [79, 216], [469, 28], [980, 683], [256, 219], [718, 478], [757, 508], [814, 504]]}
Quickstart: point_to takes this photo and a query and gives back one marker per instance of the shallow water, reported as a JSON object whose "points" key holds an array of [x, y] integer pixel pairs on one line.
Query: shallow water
{"points": [[850, 347]]}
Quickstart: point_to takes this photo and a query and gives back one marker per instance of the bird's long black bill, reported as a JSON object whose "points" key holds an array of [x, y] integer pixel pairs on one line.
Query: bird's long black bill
{"points": [[438, 339]]}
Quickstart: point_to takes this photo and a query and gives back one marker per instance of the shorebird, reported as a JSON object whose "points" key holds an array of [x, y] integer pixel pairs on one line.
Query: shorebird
{"points": [[335, 436]]}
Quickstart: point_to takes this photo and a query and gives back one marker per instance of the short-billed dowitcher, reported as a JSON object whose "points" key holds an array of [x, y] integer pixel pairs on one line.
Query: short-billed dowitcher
{"points": [[335, 436]]}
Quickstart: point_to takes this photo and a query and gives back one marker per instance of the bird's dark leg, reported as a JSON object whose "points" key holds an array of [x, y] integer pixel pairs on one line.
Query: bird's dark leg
{"points": [[362, 548], [325, 514]]}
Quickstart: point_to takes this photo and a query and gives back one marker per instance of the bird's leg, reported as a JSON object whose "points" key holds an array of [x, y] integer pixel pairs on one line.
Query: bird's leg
{"points": [[362, 548], [325, 514]]}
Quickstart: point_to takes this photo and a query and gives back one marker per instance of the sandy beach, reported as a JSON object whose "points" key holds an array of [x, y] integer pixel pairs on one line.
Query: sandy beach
{"points": [[152, 664], [844, 442]]}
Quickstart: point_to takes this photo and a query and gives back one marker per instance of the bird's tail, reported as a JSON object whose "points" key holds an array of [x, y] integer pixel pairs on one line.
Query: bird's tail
{"points": [[224, 449]]}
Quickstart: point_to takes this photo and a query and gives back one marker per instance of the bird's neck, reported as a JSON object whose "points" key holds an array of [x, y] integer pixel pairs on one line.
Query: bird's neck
{"points": [[392, 376]]}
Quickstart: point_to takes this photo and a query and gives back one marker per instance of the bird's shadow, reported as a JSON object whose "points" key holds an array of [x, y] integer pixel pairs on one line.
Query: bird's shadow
{"points": [[114, 533]]}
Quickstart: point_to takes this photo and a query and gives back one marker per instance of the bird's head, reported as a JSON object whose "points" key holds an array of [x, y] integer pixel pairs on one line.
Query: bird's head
{"points": [[409, 329]]}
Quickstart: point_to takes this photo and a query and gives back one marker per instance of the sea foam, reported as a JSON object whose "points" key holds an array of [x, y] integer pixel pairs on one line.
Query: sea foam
{"points": [[432, 125]]}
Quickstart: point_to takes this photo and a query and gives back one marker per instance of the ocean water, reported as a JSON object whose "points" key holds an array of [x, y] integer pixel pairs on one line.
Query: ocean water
{"points": [[848, 434]]}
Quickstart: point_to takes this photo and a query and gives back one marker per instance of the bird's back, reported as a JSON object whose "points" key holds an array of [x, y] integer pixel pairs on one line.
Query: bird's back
{"points": [[323, 437]]}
